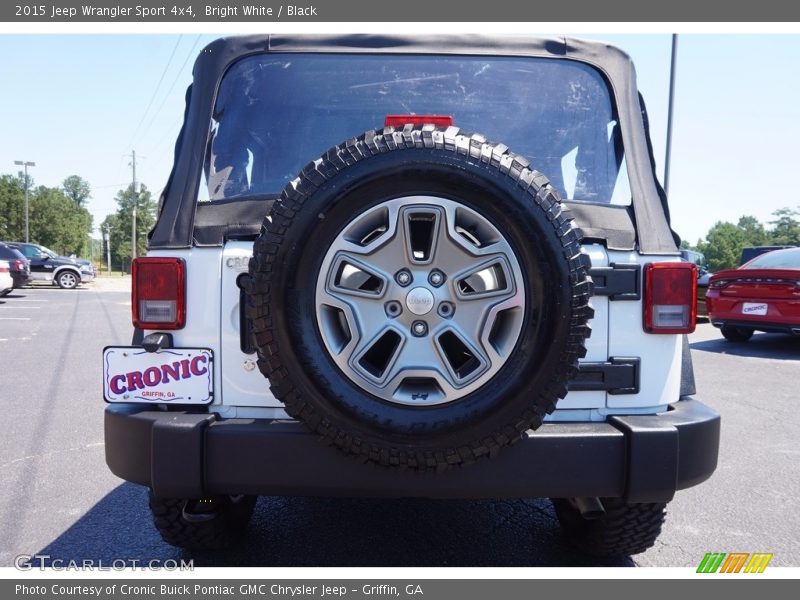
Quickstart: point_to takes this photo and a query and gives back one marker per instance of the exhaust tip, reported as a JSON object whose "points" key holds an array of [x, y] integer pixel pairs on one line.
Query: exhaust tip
{"points": [[590, 508]]}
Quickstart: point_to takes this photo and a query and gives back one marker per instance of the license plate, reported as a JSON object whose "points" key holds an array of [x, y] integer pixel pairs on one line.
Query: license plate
{"points": [[174, 375], [754, 308]]}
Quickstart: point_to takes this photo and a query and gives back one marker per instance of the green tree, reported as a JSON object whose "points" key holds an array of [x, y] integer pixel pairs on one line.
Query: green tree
{"points": [[120, 225], [12, 209], [77, 189], [56, 222], [723, 246], [753, 230], [786, 227], [724, 242]]}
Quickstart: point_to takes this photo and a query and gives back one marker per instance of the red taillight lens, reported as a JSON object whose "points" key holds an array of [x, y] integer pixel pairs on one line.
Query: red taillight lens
{"points": [[3, 268], [159, 293], [418, 120], [670, 297]]}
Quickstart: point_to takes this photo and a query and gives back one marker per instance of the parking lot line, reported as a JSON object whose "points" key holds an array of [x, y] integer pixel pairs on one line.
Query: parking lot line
{"points": [[27, 300], [15, 318], [25, 307]]}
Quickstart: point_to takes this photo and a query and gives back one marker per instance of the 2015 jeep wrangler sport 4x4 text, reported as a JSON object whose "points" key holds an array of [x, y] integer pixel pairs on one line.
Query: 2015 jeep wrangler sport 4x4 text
{"points": [[347, 294]]}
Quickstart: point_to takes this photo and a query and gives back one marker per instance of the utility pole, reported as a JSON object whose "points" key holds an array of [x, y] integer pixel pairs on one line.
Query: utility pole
{"points": [[107, 236], [26, 164], [135, 202], [670, 110]]}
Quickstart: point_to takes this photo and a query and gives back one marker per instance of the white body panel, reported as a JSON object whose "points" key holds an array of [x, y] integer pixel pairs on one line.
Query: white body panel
{"points": [[241, 390], [660, 375], [242, 382]]}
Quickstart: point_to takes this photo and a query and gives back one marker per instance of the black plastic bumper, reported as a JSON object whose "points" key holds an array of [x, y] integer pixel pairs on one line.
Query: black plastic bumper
{"points": [[184, 455], [791, 329]]}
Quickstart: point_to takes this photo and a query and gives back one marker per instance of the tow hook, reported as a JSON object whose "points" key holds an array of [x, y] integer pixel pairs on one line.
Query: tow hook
{"points": [[200, 511], [153, 342]]}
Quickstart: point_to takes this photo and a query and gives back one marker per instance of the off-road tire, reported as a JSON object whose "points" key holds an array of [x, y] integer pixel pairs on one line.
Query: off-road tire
{"points": [[375, 167], [625, 529], [736, 334], [226, 528]]}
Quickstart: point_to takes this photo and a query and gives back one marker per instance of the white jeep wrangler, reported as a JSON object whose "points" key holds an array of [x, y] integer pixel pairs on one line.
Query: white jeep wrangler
{"points": [[414, 310]]}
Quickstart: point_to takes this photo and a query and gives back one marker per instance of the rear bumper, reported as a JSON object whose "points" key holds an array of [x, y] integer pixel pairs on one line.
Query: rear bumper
{"points": [[767, 326], [20, 279], [185, 455]]}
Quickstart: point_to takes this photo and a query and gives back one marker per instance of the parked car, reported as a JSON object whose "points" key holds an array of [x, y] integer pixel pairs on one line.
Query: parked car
{"points": [[703, 275], [761, 295], [6, 282], [87, 269], [47, 266], [19, 266]]}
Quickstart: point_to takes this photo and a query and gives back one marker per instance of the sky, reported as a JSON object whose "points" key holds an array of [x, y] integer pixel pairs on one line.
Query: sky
{"points": [[81, 103]]}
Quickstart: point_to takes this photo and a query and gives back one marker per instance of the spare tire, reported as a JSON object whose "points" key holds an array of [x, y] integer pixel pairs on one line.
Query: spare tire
{"points": [[419, 297]]}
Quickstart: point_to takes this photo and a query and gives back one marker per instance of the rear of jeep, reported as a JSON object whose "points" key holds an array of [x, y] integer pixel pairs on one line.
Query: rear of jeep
{"points": [[398, 267]]}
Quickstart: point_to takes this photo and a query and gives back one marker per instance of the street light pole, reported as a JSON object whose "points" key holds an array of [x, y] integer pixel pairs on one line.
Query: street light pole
{"points": [[26, 164]]}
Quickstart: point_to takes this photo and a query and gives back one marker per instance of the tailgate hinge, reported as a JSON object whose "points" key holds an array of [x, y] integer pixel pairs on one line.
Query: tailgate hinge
{"points": [[617, 281], [620, 375]]}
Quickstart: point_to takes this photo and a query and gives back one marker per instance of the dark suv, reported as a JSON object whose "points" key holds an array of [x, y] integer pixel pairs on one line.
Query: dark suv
{"points": [[47, 266], [411, 266], [19, 266]]}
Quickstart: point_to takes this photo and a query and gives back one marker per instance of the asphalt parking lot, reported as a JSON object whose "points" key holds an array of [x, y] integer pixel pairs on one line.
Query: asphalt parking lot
{"points": [[58, 498]]}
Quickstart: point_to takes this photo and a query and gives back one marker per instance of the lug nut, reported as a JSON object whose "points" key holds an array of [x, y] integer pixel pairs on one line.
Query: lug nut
{"points": [[436, 278], [419, 328], [403, 277], [393, 309], [446, 309]]}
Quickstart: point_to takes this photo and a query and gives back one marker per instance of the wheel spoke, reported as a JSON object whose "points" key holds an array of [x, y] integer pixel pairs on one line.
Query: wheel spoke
{"points": [[421, 229], [488, 278], [376, 358], [355, 276]]}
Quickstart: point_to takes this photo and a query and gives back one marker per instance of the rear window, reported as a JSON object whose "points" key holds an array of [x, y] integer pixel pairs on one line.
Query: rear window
{"points": [[276, 112], [778, 259]]}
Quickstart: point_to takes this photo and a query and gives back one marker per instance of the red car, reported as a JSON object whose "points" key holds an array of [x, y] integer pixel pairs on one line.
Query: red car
{"points": [[761, 295]]}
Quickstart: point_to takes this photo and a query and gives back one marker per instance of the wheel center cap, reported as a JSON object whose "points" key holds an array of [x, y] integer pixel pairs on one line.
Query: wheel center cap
{"points": [[419, 301]]}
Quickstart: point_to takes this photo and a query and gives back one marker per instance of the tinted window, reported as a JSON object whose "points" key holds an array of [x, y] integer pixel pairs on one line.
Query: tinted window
{"points": [[779, 259], [275, 113], [8, 253]]}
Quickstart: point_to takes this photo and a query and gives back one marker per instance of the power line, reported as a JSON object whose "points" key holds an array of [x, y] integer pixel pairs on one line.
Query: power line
{"points": [[110, 185], [172, 86], [155, 91]]}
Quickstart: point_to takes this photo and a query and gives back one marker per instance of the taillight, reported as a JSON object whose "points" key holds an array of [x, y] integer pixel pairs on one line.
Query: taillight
{"points": [[3, 268], [670, 297], [158, 298], [418, 120]]}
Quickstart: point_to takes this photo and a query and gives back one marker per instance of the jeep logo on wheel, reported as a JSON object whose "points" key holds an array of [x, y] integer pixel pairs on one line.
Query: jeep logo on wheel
{"points": [[419, 301]]}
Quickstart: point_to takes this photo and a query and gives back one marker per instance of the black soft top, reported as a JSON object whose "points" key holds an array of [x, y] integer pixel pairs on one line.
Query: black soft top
{"points": [[646, 222]]}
